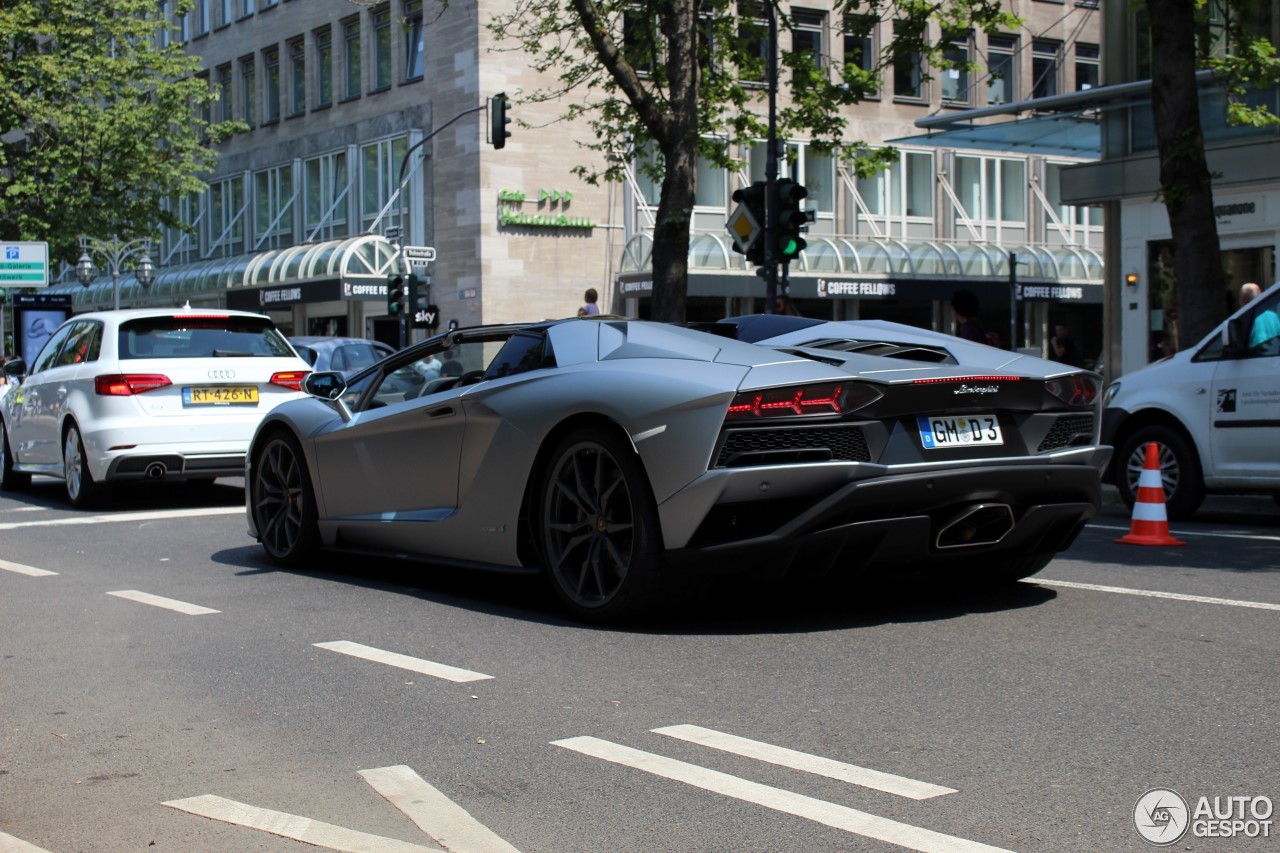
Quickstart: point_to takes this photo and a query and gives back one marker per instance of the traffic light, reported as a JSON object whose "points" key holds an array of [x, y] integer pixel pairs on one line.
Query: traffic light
{"points": [[397, 294], [792, 220], [752, 200], [498, 120]]}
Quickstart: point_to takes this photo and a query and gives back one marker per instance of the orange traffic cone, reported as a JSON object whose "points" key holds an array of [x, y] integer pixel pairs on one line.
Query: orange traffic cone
{"points": [[1150, 525]]}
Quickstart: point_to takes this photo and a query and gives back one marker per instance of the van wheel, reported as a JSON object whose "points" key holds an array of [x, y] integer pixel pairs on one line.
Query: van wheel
{"points": [[1179, 470]]}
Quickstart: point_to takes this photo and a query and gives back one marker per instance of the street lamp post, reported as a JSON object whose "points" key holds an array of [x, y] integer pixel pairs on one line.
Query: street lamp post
{"points": [[116, 254]]}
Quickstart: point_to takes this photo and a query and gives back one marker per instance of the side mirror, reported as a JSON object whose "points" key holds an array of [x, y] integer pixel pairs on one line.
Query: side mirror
{"points": [[327, 385], [15, 369]]}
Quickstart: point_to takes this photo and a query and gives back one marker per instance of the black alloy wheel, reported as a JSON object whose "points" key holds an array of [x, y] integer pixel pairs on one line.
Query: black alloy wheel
{"points": [[1179, 470], [599, 527], [284, 504], [9, 478]]}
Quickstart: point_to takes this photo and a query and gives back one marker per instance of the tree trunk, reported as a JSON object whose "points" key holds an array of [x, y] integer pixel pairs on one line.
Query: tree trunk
{"points": [[1185, 183], [680, 153]]}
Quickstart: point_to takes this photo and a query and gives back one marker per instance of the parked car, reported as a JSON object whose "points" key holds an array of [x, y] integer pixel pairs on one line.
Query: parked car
{"points": [[622, 456], [1213, 411], [345, 355], [138, 394]]}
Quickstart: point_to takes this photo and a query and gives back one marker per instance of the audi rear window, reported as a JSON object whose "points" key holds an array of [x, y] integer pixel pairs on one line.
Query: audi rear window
{"points": [[202, 336]]}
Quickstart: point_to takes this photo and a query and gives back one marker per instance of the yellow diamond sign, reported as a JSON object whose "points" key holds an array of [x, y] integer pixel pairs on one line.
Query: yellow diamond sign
{"points": [[744, 228]]}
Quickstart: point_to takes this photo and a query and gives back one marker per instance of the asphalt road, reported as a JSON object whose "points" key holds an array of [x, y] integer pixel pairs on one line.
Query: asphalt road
{"points": [[883, 718]]}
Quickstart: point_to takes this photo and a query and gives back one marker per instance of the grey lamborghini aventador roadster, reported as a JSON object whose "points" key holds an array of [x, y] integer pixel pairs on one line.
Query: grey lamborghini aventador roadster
{"points": [[622, 457]]}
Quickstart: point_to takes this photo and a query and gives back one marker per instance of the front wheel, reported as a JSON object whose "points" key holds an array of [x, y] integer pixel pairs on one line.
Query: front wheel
{"points": [[1179, 470], [9, 478], [598, 526], [82, 490], [283, 502]]}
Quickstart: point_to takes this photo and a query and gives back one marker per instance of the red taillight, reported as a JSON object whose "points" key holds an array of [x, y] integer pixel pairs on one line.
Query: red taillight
{"points": [[830, 398], [951, 379], [291, 379], [1078, 389], [128, 384]]}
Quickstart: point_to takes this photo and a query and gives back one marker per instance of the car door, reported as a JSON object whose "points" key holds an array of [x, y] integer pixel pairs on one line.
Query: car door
{"points": [[34, 431], [1245, 425], [397, 459]]}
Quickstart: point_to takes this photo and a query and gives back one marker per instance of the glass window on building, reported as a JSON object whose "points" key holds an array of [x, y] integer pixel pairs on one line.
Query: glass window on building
{"points": [[1088, 67], [324, 189], [225, 14], [381, 49], [991, 189], [351, 59], [860, 54], [1068, 214], [414, 41], [649, 176], [908, 63], [246, 8], [905, 189], [297, 77], [248, 92], [165, 13], [807, 40], [324, 67], [271, 107], [267, 4], [710, 190], [200, 17], [640, 39], [379, 169], [752, 28], [1013, 191], [225, 217], [272, 204], [1002, 69], [955, 77], [225, 111], [1045, 68]]}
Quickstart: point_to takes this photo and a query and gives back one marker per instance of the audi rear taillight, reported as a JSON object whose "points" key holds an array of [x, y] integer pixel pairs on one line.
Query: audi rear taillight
{"points": [[128, 384], [791, 401], [291, 379], [1079, 389]]}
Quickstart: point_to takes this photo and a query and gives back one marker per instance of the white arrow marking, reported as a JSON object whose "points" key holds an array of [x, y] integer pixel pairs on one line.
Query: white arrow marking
{"points": [[788, 802], [851, 773]]}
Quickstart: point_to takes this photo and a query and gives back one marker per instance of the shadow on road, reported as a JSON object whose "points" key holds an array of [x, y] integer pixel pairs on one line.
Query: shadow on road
{"points": [[730, 608], [139, 496]]}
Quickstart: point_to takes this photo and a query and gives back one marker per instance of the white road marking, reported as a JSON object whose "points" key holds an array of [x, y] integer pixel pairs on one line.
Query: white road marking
{"points": [[804, 762], [167, 603], [25, 570], [1249, 536], [425, 667], [25, 509], [452, 827], [292, 826], [788, 802], [1150, 593], [147, 515], [9, 844]]}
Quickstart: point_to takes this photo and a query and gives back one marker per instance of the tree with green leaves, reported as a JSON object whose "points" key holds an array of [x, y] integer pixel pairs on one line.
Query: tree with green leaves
{"points": [[102, 118], [665, 82], [1186, 38]]}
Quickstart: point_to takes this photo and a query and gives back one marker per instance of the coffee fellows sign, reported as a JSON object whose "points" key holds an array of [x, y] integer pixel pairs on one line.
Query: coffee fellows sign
{"points": [[550, 211]]}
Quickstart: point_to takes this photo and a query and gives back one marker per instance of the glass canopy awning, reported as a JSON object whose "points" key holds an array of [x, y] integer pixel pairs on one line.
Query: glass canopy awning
{"points": [[364, 259]]}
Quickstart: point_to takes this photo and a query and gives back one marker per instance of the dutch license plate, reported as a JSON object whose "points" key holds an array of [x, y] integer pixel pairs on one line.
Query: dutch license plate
{"points": [[221, 395], [963, 431]]}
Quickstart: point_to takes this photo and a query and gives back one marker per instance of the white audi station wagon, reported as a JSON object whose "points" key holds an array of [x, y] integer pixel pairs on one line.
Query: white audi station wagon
{"points": [[157, 394]]}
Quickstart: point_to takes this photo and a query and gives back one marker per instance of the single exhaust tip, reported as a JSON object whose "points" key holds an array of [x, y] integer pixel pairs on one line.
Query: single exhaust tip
{"points": [[156, 470], [980, 524]]}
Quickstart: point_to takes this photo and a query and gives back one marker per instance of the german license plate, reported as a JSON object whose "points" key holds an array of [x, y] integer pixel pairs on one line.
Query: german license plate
{"points": [[221, 395], [962, 431]]}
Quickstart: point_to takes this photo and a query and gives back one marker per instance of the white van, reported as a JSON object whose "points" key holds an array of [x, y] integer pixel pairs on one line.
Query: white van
{"points": [[1213, 411]]}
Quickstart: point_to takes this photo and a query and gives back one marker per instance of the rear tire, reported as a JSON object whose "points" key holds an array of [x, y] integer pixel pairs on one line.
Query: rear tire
{"points": [[598, 528], [9, 478], [284, 502], [82, 490], [1179, 469]]}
